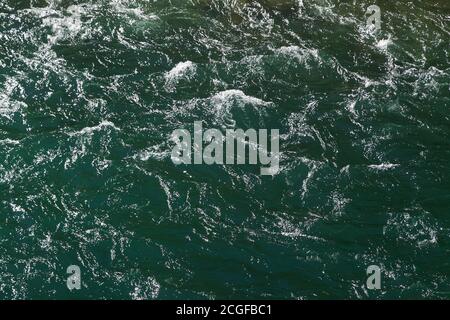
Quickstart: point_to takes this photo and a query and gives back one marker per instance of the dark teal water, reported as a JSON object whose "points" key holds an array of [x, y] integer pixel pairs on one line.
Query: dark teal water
{"points": [[90, 92]]}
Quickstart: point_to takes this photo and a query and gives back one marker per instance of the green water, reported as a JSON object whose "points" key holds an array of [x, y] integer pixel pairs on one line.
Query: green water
{"points": [[90, 92]]}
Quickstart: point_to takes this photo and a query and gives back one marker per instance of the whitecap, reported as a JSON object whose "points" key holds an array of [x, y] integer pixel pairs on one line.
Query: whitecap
{"points": [[384, 166], [90, 130], [300, 54], [224, 97], [181, 70], [384, 44]]}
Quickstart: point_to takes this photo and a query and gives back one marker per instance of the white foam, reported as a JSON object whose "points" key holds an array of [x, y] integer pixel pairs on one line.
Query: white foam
{"points": [[63, 26], [181, 70], [222, 98], [298, 53], [90, 130], [384, 44], [9, 141], [9, 106], [383, 166]]}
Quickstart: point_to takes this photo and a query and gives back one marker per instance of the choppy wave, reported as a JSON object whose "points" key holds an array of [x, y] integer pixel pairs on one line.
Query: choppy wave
{"points": [[91, 90]]}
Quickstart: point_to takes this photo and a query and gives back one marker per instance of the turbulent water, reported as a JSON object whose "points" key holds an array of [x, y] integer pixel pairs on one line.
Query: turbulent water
{"points": [[90, 92]]}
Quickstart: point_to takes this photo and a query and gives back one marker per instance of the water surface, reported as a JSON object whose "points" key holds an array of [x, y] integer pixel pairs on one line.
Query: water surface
{"points": [[90, 92]]}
